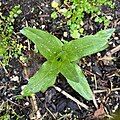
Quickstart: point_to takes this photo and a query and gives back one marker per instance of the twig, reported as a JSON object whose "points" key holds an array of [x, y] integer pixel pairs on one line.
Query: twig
{"points": [[43, 16], [14, 103], [100, 91], [64, 116], [1, 65], [115, 89], [114, 50], [42, 118], [108, 58], [110, 53], [72, 98], [94, 101], [1, 105], [50, 111], [35, 107], [107, 113], [95, 81]]}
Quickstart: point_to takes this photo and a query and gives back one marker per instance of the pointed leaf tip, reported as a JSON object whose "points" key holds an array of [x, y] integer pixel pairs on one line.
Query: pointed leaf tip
{"points": [[111, 30], [45, 77], [87, 45], [47, 44], [23, 31], [76, 79]]}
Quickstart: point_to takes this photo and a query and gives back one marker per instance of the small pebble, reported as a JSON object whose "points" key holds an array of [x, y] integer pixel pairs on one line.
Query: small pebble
{"points": [[42, 26], [109, 17], [115, 107], [98, 54], [27, 103], [46, 5], [116, 92], [15, 78], [65, 34], [23, 87], [116, 38], [89, 64]]}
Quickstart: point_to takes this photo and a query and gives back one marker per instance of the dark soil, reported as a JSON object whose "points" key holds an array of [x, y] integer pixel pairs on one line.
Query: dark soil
{"points": [[52, 104]]}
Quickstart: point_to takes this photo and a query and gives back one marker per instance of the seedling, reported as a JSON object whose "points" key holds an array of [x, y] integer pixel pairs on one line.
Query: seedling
{"points": [[61, 58], [76, 10], [8, 46]]}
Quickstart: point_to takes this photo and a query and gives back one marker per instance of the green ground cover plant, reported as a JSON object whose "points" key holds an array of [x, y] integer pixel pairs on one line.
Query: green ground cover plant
{"points": [[61, 58], [8, 46], [75, 13]]}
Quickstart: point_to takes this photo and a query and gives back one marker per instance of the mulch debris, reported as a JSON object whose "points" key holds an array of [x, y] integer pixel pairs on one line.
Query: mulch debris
{"points": [[101, 70]]}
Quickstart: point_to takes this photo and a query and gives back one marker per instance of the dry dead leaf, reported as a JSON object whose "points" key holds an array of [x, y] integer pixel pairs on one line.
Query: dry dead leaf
{"points": [[100, 113]]}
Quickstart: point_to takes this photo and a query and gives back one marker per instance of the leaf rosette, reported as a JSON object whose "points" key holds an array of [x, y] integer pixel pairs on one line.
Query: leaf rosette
{"points": [[61, 58]]}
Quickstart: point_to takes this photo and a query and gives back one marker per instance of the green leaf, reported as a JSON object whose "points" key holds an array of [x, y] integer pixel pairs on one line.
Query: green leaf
{"points": [[87, 45], [72, 72], [61, 59], [2, 50], [54, 15], [44, 78], [75, 34], [68, 70], [47, 44]]}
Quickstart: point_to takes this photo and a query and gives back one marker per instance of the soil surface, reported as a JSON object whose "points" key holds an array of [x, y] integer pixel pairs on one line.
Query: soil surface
{"points": [[102, 70]]}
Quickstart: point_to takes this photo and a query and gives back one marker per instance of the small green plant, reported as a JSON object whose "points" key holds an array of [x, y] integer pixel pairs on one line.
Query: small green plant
{"points": [[61, 58], [7, 44], [75, 14], [5, 117]]}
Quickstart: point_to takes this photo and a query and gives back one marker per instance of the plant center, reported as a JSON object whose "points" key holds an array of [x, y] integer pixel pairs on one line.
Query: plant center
{"points": [[59, 59]]}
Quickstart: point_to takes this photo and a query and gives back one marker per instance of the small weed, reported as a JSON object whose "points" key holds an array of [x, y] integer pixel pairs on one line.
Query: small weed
{"points": [[75, 13], [8, 113], [8, 46], [61, 58]]}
